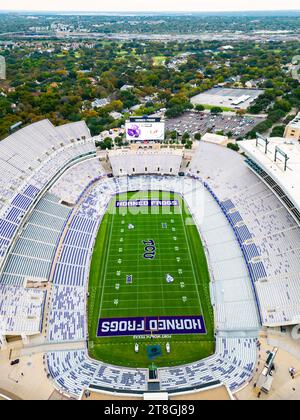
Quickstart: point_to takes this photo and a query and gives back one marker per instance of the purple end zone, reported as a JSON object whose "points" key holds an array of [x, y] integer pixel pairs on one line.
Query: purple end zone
{"points": [[164, 325]]}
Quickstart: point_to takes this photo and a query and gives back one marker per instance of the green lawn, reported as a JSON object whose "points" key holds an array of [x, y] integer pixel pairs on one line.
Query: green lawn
{"points": [[224, 108], [159, 60], [119, 251]]}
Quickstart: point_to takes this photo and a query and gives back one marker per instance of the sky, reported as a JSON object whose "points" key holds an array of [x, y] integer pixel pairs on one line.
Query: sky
{"points": [[149, 5]]}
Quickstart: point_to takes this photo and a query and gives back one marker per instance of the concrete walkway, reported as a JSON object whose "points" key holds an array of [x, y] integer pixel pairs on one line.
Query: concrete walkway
{"points": [[48, 347]]}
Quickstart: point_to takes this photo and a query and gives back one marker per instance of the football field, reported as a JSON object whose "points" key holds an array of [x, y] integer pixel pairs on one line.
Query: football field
{"points": [[148, 265]]}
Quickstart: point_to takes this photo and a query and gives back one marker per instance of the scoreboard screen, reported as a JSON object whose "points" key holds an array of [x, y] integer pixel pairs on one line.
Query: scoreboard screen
{"points": [[145, 129]]}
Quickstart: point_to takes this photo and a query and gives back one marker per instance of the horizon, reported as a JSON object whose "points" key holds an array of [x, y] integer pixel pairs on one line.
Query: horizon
{"points": [[155, 7], [110, 12]]}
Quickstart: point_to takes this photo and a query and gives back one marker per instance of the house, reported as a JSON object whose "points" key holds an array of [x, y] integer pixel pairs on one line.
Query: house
{"points": [[126, 87], [100, 103], [116, 115]]}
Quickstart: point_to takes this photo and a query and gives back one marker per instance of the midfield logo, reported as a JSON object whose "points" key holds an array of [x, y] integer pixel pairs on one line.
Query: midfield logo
{"points": [[150, 249]]}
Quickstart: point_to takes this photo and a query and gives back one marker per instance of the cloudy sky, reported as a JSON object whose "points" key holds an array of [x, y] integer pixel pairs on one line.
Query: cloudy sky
{"points": [[149, 5]]}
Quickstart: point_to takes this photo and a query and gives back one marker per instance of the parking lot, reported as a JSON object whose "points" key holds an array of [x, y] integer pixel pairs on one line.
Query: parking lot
{"points": [[200, 122]]}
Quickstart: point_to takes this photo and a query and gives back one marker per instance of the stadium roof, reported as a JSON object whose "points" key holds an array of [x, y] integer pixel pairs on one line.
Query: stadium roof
{"points": [[287, 179]]}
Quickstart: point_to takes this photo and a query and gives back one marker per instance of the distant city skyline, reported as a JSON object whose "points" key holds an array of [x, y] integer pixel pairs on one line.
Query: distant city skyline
{"points": [[153, 6]]}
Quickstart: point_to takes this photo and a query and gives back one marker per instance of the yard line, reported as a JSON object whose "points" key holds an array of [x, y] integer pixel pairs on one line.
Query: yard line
{"points": [[192, 263], [152, 308]]}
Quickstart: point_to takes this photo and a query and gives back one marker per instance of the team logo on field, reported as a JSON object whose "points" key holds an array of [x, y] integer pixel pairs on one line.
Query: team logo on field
{"points": [[150, 249]]}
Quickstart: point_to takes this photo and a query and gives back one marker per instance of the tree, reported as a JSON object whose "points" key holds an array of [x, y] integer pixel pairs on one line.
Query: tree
{"points": [[118, 141], [199, 107], [278, 131], [106, 144], [175, 111], [174, 135], [189, 144], [197, 136], [233, 146], [216, 110]]}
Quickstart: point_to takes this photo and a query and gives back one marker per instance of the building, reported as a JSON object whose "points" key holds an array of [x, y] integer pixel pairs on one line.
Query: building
{"points": [[292, 130], [2, 68], [100, 103], [231, 98], [226, 48], [277, 161], [215, 139], [116, 115], [126, 87]]}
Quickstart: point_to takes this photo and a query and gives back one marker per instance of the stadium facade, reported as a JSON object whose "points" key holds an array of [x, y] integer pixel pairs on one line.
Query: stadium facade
{"points": [[292, 130], [52, 202]]}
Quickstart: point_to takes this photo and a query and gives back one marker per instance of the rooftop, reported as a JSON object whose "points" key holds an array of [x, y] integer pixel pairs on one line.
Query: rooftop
{"points": [[296, 122], [227, 97], [215, 138], [287, 179]]}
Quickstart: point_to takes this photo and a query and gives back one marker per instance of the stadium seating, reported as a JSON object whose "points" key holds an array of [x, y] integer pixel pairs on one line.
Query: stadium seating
{"points": [[73, 372], [232, 364], [67, 317], [52, 202], [30, 223], [137, 162], [74, 182], [21, 310], [25, 175], [268, 234]]}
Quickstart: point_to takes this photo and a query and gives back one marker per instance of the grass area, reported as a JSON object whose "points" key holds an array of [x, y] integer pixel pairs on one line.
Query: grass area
{"points": [[224, 108], [159, 60], [119, 251]]}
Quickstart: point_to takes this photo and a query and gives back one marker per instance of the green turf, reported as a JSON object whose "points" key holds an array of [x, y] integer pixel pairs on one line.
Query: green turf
{"points": [[179, 252]]}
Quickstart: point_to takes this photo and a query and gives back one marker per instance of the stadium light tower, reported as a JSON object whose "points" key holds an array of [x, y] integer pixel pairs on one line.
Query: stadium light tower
{"points": [[285, 156], [260, 138]]}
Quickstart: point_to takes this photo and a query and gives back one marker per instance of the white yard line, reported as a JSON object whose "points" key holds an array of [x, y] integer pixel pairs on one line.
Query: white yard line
{"points": [[191, 260]]}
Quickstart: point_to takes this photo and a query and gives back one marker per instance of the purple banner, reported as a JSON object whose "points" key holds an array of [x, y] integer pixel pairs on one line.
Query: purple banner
{"points": [[147, 203], [165, 325]]}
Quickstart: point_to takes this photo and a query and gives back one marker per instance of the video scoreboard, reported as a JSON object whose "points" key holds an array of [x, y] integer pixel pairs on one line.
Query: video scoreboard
{"points": [[145, 129]]}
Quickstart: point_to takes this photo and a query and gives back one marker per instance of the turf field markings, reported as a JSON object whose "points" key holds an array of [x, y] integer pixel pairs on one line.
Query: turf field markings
{"points": [[191, 261], [188, 273], [152, 285], [161, 267], [146, 293], [144, 275], [138, 281], [157, 308], [106, 265]]}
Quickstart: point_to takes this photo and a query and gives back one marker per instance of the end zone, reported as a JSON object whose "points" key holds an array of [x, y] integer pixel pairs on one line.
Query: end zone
{"points": [[166, 325]]}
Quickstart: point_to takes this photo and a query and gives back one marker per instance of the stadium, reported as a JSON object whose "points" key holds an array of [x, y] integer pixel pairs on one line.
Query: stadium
{"points": [[146, 271]]}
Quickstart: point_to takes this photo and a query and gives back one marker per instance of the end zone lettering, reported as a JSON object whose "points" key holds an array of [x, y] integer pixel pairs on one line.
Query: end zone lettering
{"points": [[166, 325], [147, 203]]}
